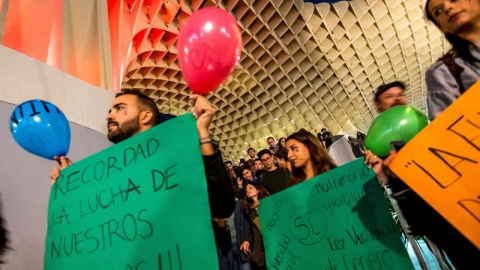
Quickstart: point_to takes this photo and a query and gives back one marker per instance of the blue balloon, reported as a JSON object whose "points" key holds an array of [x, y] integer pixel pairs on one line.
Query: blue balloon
{"points": [[41, 128]]}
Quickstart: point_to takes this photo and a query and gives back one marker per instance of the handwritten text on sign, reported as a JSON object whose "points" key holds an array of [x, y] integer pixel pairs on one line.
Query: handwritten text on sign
{"points": [[132, 206], [338, 220], [442, 164]]}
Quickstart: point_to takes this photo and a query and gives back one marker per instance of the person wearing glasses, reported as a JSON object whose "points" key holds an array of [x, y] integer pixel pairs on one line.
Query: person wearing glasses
{"points": [[273, 178]]}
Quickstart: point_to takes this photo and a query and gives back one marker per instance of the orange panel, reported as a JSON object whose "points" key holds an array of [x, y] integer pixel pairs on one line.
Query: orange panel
{"points": [[33, 27], [123, 20]]}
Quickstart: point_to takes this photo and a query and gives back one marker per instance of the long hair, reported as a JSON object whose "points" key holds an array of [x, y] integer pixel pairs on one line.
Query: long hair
{"points": [[279, 144], [240, 172], [262, 193], [321, 161], [459, 45]]}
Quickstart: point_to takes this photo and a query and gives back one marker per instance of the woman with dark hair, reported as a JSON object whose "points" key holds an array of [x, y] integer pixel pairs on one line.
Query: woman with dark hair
{"points": [[459, 69], [246, 174], [253, 244], [281, 143], [307, 156], [244, 177], [281, 158]]}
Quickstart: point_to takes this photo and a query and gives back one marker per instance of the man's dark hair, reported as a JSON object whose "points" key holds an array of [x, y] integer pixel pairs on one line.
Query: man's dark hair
{"points": [[145, 101], [242, 160], [257, 159], [270, 138], [263, 152], [228, 162], [323, 129], [384, 87], [250, 149]]}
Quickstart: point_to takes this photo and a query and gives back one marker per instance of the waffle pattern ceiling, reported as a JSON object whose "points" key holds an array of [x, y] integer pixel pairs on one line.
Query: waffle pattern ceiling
{"points": [[303, 65]]}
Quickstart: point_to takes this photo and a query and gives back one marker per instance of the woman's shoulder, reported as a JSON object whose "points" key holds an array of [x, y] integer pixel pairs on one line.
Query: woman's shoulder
{"points": [[440, 67]]}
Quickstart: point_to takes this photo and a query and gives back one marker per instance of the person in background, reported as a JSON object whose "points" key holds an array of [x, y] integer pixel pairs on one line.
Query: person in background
{"points": [[281, 143], [271, 145], [326, 137], [251, 162], [245, 177], [455, 72], [241, 231], [259, 168], [253, 243], [390, 95], [356, 148], [307, 156], [361, 140], [273, 178], [281, 158], [246, 174], [230, 169]]}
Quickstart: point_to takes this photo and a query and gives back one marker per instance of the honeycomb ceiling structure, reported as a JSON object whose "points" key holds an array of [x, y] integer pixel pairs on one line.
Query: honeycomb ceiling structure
{"points": [[302, 66]]}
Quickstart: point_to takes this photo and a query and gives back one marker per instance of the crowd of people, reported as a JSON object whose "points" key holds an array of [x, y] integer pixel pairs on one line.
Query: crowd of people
{"points": [[302, 155]]}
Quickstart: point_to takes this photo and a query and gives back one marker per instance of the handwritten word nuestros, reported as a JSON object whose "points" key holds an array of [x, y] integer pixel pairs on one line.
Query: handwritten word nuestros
{"points": [[131, 227]]}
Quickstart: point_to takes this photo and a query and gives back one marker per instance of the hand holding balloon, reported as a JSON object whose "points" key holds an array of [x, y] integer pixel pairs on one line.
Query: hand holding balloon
{"points": [[400, 123], [63, 162], [209, 48], [41, 128]]}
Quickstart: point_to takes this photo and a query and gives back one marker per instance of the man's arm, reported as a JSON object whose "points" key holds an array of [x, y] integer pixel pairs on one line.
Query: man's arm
{"points": [[220, 186]]}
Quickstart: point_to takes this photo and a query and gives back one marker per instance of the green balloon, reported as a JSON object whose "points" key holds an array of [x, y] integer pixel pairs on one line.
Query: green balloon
{"points": [[400, 123]]}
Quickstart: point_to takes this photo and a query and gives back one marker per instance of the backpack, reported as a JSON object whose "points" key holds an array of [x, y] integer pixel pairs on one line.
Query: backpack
{"points": [[454, 69]]}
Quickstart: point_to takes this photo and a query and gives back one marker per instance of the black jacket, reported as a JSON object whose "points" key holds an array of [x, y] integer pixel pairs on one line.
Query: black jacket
{"points": [[221, 195]]}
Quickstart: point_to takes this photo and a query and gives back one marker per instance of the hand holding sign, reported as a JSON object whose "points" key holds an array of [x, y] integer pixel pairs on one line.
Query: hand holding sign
{"points": [[40, 128], [400, 123], [209, 47]]}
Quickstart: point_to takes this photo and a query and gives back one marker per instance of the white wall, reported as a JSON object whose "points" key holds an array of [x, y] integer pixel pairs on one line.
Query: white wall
{"points": [[23, 78]]}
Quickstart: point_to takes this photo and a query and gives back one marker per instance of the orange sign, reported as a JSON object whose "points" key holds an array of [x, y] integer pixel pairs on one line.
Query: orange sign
{"points": [[442, 164]]}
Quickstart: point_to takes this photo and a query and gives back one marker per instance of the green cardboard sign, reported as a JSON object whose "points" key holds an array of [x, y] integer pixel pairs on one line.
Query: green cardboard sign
{"points": [[140, 204], [337, 220]]}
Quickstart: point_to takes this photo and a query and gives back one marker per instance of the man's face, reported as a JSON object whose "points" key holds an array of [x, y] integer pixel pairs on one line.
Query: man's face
{"points": [[258, 165], [251, 153], [123, 118], [394, 96], [229, 167], [453, 16], [267, 161], [271, 142]]}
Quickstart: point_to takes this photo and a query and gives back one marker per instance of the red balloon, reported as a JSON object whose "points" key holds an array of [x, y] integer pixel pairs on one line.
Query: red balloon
{"points": [[209, 47]]}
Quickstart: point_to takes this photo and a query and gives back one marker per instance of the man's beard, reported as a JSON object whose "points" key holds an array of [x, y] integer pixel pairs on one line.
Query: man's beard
{"points": [[124, 131]]}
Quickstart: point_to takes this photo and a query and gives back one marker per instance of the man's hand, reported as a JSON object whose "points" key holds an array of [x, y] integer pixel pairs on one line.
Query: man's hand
{"points": [[203, 111], [239, 182], [373, 162], [379, 166], [245, 247], [63, 162]]}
